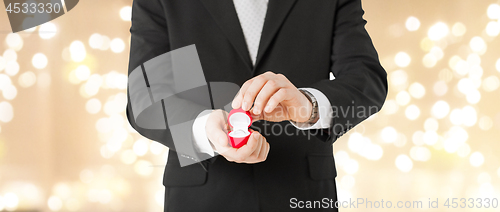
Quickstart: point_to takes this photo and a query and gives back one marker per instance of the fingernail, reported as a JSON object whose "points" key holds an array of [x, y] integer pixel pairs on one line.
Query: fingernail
{"points": [[244, 106], [256, 135], [268, 109]]}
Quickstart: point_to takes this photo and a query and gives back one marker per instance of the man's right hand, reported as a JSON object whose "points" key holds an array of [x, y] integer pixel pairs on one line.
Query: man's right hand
{"points": [[255, 151]]}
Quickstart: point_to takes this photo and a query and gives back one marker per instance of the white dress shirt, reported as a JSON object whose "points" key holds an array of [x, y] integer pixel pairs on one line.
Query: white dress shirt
{"points": [[251, 14]]}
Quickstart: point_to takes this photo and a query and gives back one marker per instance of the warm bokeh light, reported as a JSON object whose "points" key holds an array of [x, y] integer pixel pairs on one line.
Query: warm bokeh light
{"points": [[77, 51], [417, 90], [493, 11], [403, 98], [14, 41], [47, 30], [369, 150], [456, 117], [12, 68], [429, 60], [418, 138], [493, 28], [4, 81], [473, 97], [430, 138], [412, 112], [55, 203], [389, 134], [431, 124], [128, 157], [117, 45], [458, 29], [11, 201], [438, 31], [93, 106], [143, 168], [402, 59], [140, 147], [426, 44], [351, 166], [440, 88], [106, 42], [463, 151], [420, 153], [478, 45], [126, 13], [96, 41], [485, 123], [476, 159], [82, 72], [156, 148], [3, 63], [27, 79], [10, 55], [469, 116], [9, 92], [491, 83], [498, 65], [398, 80], [39, 61], [6, 112], [390, 107], [412, 23], [440, 109], [404, 163]]}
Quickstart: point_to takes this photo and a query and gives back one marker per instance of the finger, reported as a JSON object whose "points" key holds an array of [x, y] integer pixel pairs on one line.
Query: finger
{"points": [[255, 154], [217, 134], [239, 97], [216, 127], [236, 103], [265, 150], [221, 138], [256, 117], [252, 91], [275, 100], [223, 146], [246, 150], [226, 151], [229, 153], [264, 95]]}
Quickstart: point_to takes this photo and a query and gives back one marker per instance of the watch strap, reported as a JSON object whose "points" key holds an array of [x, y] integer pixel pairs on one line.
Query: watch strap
{"points": [[314, 103]]}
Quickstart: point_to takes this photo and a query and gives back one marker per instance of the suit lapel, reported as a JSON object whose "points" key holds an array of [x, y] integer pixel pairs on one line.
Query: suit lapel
{"points": [[277, 10], [225, 16]]}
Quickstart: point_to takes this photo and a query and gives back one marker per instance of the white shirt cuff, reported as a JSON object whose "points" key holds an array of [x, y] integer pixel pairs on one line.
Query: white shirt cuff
{"points": [[324, 112], [201, 141]]}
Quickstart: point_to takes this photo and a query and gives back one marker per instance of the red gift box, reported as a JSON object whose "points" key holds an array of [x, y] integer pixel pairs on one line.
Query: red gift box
{"points": [[240, 121]]}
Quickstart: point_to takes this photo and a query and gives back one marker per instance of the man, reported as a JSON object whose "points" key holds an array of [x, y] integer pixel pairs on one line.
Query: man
{"points": [[289, 156]]}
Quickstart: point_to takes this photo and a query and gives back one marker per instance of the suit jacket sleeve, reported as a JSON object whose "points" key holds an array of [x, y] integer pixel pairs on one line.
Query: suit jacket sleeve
{"points": [[360, 85], [149, 43]]}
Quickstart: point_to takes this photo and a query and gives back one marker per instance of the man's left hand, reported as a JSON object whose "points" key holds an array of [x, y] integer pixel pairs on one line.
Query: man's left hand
{"points": [[274, 98]]}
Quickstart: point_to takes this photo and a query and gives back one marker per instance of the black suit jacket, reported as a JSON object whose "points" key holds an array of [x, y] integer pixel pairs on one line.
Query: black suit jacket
{"points": [[305, 40]]}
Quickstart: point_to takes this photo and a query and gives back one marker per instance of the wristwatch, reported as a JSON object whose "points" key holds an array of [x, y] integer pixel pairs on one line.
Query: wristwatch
{"points": [[314, 103]]}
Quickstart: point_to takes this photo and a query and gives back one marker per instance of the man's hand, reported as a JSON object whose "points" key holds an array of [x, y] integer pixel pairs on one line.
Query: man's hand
{"points": [[274, 98], [255, 151]]}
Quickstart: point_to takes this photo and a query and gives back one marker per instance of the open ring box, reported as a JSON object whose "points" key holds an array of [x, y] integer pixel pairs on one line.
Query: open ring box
{"points": [[240, 121]]}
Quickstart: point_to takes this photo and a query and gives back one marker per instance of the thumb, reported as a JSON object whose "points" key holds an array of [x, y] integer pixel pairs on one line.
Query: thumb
{"points": [[221, 138]]}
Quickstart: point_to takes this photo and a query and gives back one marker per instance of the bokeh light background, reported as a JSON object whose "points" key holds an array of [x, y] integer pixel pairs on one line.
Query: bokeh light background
{"points": [[65, 143]]}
